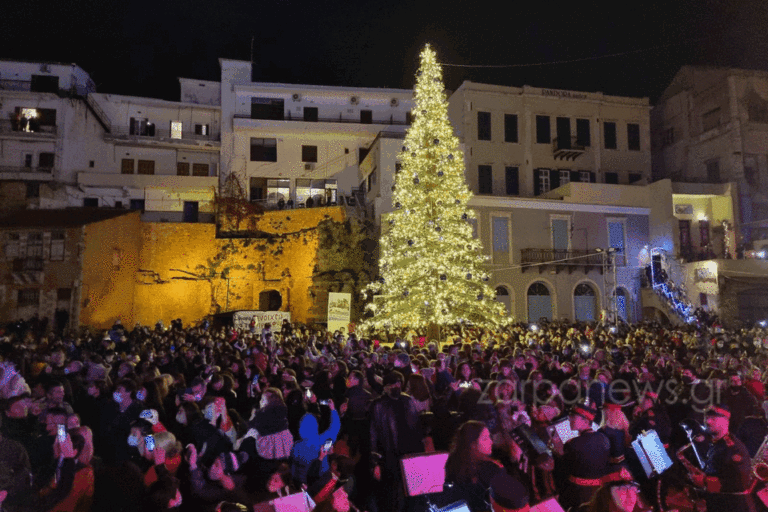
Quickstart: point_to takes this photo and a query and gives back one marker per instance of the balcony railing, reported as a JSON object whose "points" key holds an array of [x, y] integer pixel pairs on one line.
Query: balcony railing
{"points": [[543, 259], [164, 135], [567, 148], [339, 119], [33, 130], [15, 85], [28, 264]]}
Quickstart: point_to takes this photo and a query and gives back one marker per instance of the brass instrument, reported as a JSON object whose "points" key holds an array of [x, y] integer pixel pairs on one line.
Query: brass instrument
{"points": [[760, 462]]}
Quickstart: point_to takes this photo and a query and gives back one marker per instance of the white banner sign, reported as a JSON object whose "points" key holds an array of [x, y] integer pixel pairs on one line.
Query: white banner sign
{"points": [[242, 319], [338, 311]]}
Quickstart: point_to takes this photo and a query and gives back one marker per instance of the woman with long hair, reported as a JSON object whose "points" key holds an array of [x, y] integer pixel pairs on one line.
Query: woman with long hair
{"points": [[470, 467], [418, 389]]}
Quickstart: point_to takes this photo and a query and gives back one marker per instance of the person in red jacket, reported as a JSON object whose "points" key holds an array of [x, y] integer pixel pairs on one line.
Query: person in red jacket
{"points": [[71, 489]]}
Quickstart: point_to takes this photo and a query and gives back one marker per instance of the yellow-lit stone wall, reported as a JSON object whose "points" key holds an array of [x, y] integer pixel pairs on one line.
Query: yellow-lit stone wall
{"points": [[185, 272], [109, 256]]}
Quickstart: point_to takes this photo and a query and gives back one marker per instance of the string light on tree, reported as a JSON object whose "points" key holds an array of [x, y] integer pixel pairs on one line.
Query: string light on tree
{"points": [[429, 257]]}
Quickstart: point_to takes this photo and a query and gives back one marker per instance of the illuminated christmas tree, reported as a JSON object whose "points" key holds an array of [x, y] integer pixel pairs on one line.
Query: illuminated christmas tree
{"points": [[431, 267]]}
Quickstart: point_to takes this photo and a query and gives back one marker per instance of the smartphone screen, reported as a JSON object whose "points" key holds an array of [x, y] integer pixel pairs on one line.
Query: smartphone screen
{"points": [[328, 445], [149, 442], [62, 433], [308, 393]]}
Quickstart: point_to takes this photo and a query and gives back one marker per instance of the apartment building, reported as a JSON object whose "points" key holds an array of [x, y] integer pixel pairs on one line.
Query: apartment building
{"points": [[711, 125], [526, 141], [291, 145]]}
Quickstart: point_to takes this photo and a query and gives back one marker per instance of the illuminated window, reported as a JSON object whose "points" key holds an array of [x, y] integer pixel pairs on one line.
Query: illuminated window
{"points": [[141, 126], [617, 239], [565, 176], [202, 129], [175, 129]]}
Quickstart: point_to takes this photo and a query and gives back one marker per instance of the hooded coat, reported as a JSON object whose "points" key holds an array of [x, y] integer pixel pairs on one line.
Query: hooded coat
{"points": [[307, 450]]}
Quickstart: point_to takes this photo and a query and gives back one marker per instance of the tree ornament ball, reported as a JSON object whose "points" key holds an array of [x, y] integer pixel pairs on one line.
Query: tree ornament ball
{"points": [[391, 222], [410, 242], [469, 276], [440, 173], [398, 205], [465, 217], [443, 277], [436, 142], [424, 112], [458, 201], [413, 154], [450, 157], [415, 181], [438, 229], [480, 296], [405, 293]]}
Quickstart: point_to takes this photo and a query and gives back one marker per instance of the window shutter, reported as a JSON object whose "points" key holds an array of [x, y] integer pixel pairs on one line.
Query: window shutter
{"points": [[592, 177], [536, 184], [575, 176]]}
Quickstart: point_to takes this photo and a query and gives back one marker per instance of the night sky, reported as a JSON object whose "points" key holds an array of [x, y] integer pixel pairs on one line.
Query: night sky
{"points": [[140, 47]]}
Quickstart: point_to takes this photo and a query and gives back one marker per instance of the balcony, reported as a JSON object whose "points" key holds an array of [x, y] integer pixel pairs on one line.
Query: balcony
{"points": [[170, 181], [335, 119], [21, 173], [558, 260], [27, 271], [156, 136], [339, 123], [567, 148], [30, 131]]}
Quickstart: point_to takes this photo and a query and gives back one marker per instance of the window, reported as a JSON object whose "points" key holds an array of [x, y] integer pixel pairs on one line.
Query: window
{"points": [[141, 126], [32, 189], [668, 137], [751, 171], [63, 294], [263, 150], [182, 168], [27, 159], [565, 176], [510, 127], [634, 177], [710, 120], [713, 171], [512, 181], [45, 161], [473, 224], [310, 114], [309, 153], [609, 135], [583, 138], [543, 131], [267, 108], [612, 178], [44, 83], [126, 166], [190, 213], [561, 229], [500, 239], [202, 129], [684, 227], [34, 120], [563, 129], [146, 167], [175, 129], [91, 164], [617, 239], [200, 169], [91, 202], [366, 116], [585, 177], [703, 233], [633, 137], [137, 204], [484, 179], [35, 245], [540, 181], [57, 246], [28, 297], [12, 246], [483, 126]]}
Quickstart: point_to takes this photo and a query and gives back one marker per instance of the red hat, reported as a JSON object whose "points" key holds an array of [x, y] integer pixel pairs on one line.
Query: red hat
{"points": [[584, 411], [718, 410]]}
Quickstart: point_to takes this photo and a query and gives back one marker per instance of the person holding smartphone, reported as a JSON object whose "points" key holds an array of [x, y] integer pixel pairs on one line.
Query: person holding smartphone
{"points": [[72, 487]]}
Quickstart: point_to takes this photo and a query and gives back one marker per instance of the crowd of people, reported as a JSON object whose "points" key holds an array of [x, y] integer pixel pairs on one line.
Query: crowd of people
{"points": [[204, 418]]}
